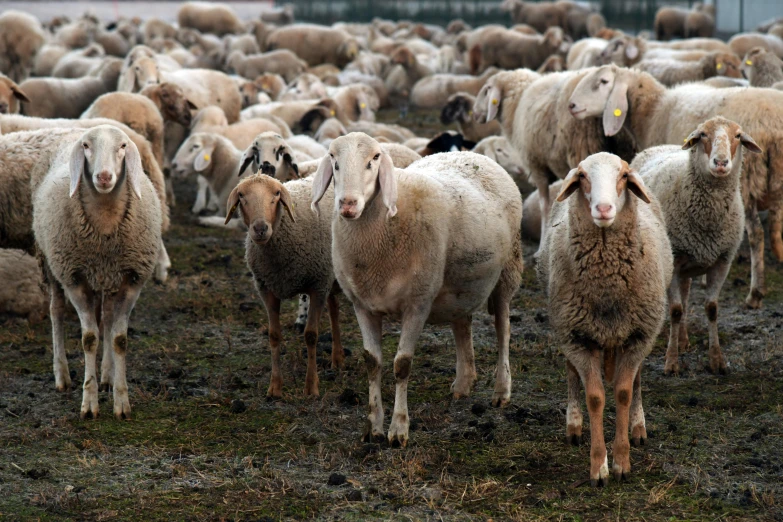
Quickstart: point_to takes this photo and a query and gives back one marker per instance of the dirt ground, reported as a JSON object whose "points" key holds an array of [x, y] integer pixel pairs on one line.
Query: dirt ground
{"points": [[205, 444]]}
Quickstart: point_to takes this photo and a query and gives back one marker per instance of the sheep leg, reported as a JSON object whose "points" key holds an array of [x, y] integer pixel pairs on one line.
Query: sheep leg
{"points": [[466, 364], [574, 410], [502, 394], [83, 301], [685, 289], [62, 375], [638, 425], [623, 393], [107, 362], [542, 184], [590, 371], [716, 275], [338, 355], [201, 195], [162, 265], [412, 324], [272, 304], [371, 327], [776, 231], [212, 199], [301, 314], [311, 341], [756, 240], [672, 365], [118, 309]]}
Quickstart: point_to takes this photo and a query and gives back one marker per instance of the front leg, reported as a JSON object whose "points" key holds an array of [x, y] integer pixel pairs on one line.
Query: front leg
{"points": [[201, 195], [412, 324], [716, 275], [311, 341], [272, 305], [756, 241], [587, 362], [627, 369], [62, 376], [672, 364], [121, 305], [371, 327], [84, 301]]}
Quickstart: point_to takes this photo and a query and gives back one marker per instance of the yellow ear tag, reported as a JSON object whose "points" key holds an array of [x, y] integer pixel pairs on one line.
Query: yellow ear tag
{"points": [[618, 112], [331, 112], [206, 157], [748, 62], [470, 113], [685, 140], [719, 66], [363, 105], [495, 102]]}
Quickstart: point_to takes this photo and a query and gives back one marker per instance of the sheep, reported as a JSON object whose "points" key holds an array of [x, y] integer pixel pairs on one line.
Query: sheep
{"points": [[157, 29], [691, 44], [209, 17], [433, 91], [701, 186], [171, 101], [21, 293], [406, 70], [245, 43], [670, 22], [271, 84], [670, 72], [459, 108], [273, 156], [555, 63], [539, 15], [315, 44], [440, 273], [585, 53], [305, 87], [77, 34], [10, 95], [47, 57], [402, 157], [21, 36], [606, 263], [281, 61], [279, 16], [763, 68], [512, 50], [212, 120], [392, 132], [329, 130], [533, 112], [660, 116], [292, 113], [499, 149], [626, 51], [742, 43], [65, 98], [78, 63], [531, 212], [700, 24], [580, 22], [286, 257], [97, 227]]}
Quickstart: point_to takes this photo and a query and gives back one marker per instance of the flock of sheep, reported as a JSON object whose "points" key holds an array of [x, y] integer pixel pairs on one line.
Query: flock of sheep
{"points": [[645, 161]]}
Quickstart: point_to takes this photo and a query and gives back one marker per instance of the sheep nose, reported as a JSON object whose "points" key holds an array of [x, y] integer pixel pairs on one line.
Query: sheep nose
{"points": [[104, 178], [268, 169], [720, 163], [260, 229], [348, 202], [571, 106], [604, 208]]}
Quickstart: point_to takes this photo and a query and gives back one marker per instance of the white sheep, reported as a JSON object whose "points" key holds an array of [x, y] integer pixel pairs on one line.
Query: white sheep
{"points": [[699, 192], [21, 292], [97, 226], [454, 257], [606, 263], [21, 36]]}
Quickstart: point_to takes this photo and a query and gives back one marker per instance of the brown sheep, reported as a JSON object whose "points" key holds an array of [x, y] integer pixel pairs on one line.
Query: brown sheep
{"points": [[209, 17], [763, 69], [10, 95], [21, 36], [315, 44], [540, 15], [511, 50]]}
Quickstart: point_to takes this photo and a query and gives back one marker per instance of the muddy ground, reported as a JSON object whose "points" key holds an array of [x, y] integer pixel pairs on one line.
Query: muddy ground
{"points": [[205, 444]]}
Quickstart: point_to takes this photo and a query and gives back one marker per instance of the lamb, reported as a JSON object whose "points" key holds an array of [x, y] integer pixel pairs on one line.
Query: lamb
{"points": [[742, 43], [282, 61], [212, 120], [699, 193], [66, 98], [459, 109], [286, 256], [763, 69], [21, 293], [606, 263], [315, 44], [97, 225], [21, 36], [270, 154], [47, 57], [499, 149], [208, 17], [305, 87], [660, 116], [10, 95], [533, 112], [512, 50], [585, 53], [446, 268], [670, 72], [432, 92]]}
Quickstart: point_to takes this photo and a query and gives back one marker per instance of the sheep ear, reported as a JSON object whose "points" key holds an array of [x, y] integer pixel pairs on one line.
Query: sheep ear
{"points": [[692, 140], [323, 176], [249, 157], [232, 204], [493, 103], [19, 94], [133, 168], [388, 180], [77, 166], [293, 166], [570, 184], [285, 199], [616, 108], [203, 159], [191, 105], [749, 144], [636, 185]]}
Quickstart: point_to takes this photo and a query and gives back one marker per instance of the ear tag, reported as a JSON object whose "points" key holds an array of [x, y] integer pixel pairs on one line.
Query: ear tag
{"points": [[363, 105], [206, 157], [719, 66], [618, 112], [495, 101], [470, 113], [748, 62], [332, 113]]}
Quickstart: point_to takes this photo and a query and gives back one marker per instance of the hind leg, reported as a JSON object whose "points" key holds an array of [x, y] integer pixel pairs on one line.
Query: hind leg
{"points": [[466, 365]]}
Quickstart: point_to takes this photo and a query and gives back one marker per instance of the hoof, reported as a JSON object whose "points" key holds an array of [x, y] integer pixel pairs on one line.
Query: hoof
{"points": [[621, 476], [718, 367], [398, 440], [638, 441], [63, 388], [671, 368], [86, 415], [122, 415], [575, 439], [500, 402], [753, 301], [299, 327], [600, 482], [370, 435]]}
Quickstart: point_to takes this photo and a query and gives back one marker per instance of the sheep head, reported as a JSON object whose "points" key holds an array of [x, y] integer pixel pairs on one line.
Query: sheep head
{"points": [[194, 155], [726, 64], [716, 145], [171, 102], [360, 169], [10, 96], [603, 92], [603, 181], [259, 199], [104, 156], [272, 155]]}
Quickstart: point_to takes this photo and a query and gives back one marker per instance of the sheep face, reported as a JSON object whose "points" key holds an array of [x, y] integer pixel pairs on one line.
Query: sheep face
{"points": [[603, 181], [727, 65], [623, 50], [747, 63], [10, 96], [270, 154], [604, 91], [716, 143], [360, 170], [487, 104], [458, 108], [105, 156], [194, 155], [259, 200], [173, 104], [142, 73]]}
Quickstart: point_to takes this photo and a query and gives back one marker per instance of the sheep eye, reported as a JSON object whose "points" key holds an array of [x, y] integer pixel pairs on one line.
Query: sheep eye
{"points": [[277, 193], [703, 135], [738, 136], [581, 175], [336, 166], [604, 81], [123, 145], [376, 156], [625, 176], [86, 146]]}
